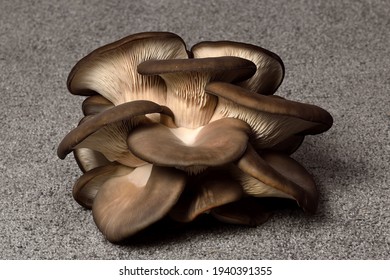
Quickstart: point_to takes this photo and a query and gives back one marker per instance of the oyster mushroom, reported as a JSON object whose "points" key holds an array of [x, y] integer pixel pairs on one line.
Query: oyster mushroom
{"points": [[88, 159], [127, 204], [208, 146], [172, 133], [186, 80], [95, 104], [87, 186], [276, 175], [111, 70], [107, 131], [270, 68], [273, 120]]}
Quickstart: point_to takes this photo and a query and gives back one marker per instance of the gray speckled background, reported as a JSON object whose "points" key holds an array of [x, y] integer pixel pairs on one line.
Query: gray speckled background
{"points": [[336, 55]]}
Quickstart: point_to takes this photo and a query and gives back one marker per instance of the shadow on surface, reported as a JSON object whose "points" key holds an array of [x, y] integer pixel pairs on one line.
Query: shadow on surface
{"points": [[168, 231]]}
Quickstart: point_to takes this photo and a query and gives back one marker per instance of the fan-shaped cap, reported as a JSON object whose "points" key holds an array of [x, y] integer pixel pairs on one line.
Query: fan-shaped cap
{"points": [[277, 175], [320, 118], [215, 144], [228, 67], [273, 120], [112, 69], [88, 185], [92, 124], [270, 68], [127, 204], [95, 104]]}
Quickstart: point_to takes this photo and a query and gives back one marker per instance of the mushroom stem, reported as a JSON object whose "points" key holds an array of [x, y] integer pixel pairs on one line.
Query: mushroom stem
{"points": [[192, 107], [186, 79]]}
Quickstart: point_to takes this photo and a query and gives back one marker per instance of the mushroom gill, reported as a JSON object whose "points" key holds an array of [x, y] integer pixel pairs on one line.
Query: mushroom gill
{"points": [[186, 80], [172, 133], [112, 69]]}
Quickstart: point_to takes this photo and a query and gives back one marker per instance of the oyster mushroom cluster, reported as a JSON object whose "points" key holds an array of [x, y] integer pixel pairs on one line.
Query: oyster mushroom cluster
{"points": [[172, 132]]}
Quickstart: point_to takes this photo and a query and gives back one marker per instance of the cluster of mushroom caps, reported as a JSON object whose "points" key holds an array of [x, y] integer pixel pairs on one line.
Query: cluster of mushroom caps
{"points": [[171, 132]]}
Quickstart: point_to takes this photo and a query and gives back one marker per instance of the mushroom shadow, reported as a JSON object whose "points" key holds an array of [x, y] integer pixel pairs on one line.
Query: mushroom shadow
{"points": [[166, 231]]}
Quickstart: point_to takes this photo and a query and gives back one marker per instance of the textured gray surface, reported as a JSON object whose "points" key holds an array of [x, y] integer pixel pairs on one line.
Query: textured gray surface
{"points": [[336, 55]]}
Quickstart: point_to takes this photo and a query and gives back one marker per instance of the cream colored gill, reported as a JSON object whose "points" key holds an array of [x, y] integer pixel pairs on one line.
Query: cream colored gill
{"points": [[268, 129], [187, 99], [115, 75], [256, 188], [111, 142]]}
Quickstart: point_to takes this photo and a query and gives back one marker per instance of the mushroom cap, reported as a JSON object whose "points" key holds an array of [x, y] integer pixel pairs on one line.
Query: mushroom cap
{"points": [[287, 146], [93, 124], [273, 120], [111, 70], [228, 67], [108, 144], [270, 67], [274, 174], [207, 146], [210, 191], [127, 204], [95, 104], [88, 159], [88, 185], [293, 171], [320, 118]]}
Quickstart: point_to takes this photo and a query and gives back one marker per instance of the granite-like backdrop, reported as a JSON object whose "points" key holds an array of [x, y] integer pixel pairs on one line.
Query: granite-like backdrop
{"points": [[336, 55]]}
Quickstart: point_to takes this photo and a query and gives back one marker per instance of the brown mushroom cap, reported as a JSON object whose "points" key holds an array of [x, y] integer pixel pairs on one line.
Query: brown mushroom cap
{"points": [[215, 144], [118, 113], [186, 80], [127, 204], [112, 69], [287, 146], [270, 68], [95, 104], [207, 193], [277, 175], [307, 112], [229, 67], [273, 120], [88, 185], [88, 159]]}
